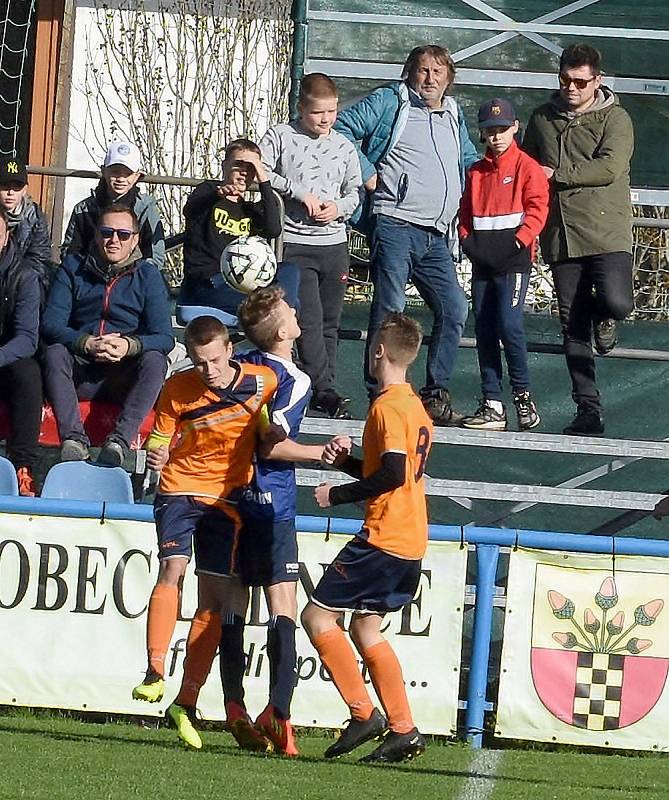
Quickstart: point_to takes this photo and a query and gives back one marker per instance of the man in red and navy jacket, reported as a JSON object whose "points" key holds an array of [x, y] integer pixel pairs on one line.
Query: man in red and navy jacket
{"points": [[503, 210]]}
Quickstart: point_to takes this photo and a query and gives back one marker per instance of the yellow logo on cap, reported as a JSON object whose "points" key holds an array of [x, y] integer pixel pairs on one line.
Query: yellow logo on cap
{"points": [[13, 167], [496, 111]]}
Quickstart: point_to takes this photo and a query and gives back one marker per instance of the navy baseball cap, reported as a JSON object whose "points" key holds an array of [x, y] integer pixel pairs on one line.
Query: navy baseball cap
{"points": [[497, 113], [13, 170]]}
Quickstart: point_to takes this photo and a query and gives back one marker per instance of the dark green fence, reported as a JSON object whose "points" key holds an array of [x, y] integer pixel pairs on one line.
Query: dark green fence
{"points": [[508, 48]]}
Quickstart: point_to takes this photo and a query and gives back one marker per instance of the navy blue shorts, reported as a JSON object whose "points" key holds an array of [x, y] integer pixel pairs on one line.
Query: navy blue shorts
{"points": [[268, 551], [365, 579], [183, 524]]}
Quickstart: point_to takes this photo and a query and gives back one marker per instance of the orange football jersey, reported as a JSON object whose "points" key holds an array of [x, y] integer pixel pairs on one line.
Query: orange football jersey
{"points": [[216, 431], [396, 521]]}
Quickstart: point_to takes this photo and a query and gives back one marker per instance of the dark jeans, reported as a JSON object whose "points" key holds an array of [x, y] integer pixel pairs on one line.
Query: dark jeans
{"points": [[498, 306], [402, 252], [589, 289], [217, 294], [133, 383], [21, 389], [323, 279]]}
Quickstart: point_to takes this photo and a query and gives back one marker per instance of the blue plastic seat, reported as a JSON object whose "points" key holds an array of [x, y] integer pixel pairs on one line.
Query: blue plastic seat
{"points": [[185, 314], [8, 482], [79, 480]]}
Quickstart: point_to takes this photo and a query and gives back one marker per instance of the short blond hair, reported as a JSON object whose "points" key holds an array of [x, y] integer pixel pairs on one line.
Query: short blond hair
{"points": [[402, 337], [258, 316], [317, 86]]}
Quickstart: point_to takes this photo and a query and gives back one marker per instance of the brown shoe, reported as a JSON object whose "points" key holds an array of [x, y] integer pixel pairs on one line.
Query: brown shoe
{"points": [[437, 402], [605, 335]]}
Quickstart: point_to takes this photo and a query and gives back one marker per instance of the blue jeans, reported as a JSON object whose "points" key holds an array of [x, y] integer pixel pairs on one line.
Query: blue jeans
{"points": [[498, 305], [216, 293], [402, 252]]}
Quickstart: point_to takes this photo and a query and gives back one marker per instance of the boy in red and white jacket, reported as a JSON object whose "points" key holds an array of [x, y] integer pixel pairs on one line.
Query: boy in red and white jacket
{"points": [[502, 211]]}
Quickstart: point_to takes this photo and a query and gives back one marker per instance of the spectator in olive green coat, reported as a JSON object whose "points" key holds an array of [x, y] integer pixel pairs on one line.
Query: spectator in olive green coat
{"points": [[584, 141]]}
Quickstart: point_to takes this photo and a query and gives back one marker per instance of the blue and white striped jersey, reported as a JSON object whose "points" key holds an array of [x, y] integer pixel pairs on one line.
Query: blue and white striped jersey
{"points": [[273, 489]]}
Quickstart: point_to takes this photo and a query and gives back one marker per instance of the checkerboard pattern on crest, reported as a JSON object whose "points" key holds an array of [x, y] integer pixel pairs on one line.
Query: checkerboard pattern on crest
{"points": [[599, 680]]}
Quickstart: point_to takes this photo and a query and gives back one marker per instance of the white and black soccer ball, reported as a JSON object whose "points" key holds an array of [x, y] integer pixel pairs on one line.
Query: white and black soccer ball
{"points": [[248, 263]]}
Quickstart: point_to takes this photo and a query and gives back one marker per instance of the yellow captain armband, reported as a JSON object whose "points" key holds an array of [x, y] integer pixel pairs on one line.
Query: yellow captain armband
{"points": [[263, 418], [269, 432], [157, 440]]}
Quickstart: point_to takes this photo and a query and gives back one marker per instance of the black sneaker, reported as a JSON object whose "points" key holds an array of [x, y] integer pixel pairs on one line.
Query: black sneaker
{"points": [[526, 410], [113, 453], [330, 403], [486, 418], [398, 747], [605, 335], [357, 732], [437, 403], [587, 422], [73, 450]]}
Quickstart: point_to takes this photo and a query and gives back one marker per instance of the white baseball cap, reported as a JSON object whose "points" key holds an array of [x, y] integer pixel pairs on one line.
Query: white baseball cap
{"points": [[124, 153]]}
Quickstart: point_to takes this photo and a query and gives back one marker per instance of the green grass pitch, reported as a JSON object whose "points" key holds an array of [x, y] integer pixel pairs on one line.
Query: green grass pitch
{"points": [[55, 758]]}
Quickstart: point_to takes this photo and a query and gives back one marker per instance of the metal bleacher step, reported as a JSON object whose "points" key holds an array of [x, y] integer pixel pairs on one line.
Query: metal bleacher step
{"points": [[624, 450], [511, 440], [518, 493]]}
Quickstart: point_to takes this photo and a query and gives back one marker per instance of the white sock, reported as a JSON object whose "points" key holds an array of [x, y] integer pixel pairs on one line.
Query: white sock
{"points": [[496, 405]]}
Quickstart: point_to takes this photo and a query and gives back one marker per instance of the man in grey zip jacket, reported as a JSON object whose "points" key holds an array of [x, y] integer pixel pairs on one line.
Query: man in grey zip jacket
{"points": [[584, 141], [414, 149]]}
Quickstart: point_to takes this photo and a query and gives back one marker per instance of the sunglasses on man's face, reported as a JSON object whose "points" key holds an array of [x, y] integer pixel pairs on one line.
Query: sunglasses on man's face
{"points": [[579, 83], [123, 233]]}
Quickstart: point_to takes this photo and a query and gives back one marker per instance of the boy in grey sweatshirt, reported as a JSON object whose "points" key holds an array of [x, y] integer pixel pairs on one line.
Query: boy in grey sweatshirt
{"points": [[317, 171]]}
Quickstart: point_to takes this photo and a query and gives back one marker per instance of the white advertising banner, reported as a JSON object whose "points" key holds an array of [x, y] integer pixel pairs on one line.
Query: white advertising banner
{"points": [[586, 650], [73, 598]]}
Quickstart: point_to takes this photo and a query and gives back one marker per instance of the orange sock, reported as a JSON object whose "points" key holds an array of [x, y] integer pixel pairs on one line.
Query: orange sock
{"points": [[203, 638], [160, 622], [386, 674], [339, 660]]}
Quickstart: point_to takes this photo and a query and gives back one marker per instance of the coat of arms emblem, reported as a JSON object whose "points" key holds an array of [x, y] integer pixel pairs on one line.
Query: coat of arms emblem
{"points": [[601, 672]]}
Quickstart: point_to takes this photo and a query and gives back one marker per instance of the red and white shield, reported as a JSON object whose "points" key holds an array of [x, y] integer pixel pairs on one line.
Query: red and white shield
{"points": [[597, 691]]}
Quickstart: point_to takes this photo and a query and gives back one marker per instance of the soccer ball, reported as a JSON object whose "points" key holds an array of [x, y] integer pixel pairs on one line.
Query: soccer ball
{"points": [[248, 263]]}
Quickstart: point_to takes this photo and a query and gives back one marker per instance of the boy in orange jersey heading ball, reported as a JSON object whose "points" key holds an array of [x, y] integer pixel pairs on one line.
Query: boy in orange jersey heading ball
{"points": [[215, 408], [378, 571]]}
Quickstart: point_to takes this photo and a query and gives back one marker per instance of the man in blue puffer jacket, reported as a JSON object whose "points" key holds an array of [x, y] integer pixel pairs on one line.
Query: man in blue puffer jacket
{"points": [[414, 149], [108, 329]]}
